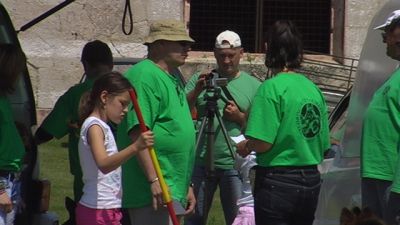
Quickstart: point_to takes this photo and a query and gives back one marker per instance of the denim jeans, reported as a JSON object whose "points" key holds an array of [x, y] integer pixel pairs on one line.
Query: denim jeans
{"points": [[13, 191], [229, 183], [286, 196], [374, 195], [392, 217]]}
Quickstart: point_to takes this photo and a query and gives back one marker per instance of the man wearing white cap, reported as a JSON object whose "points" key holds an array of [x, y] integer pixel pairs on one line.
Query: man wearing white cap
{"points": [[242, 88], [380, 135]]}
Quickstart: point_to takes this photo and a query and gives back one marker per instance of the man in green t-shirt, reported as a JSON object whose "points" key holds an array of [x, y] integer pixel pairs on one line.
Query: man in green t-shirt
{"points": [[166, 112], [381, 135], [242, 87], [63, 119]]}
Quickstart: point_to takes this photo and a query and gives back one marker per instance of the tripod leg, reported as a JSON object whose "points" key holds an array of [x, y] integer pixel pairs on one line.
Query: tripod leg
{"points": [[225, 133], [200, 133], [210, 170]]}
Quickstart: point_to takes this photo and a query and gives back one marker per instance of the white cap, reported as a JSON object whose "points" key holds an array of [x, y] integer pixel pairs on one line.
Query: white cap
{"points": [[394, 15], [228, 39]]}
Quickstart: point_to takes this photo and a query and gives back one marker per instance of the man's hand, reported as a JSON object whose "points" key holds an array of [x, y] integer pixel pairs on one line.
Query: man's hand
{"points": [[201, 83], [232, 113], [157, 194], [5, 203], [191, 202]]}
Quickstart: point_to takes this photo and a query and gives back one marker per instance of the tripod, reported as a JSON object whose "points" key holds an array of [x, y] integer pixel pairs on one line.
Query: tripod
{"points": [[211, 96]]}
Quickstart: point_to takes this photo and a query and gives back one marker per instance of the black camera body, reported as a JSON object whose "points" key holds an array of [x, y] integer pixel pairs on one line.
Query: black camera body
{"points": [[213, 80]]}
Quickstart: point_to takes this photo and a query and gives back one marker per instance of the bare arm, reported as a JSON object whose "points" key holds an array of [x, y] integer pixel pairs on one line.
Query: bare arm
{"points": [[232, 113], [107, 163], [192, 95], [42, 136], [245, 147]]}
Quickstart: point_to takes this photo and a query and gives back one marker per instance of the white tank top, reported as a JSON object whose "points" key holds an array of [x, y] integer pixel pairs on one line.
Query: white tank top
{"points": [[100, 191]]}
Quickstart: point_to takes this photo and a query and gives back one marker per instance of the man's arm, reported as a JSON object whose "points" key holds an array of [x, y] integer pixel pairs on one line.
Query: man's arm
{"points": [[192, 95], [42, 136], [148, 169], [245, 147], [233, 113]]}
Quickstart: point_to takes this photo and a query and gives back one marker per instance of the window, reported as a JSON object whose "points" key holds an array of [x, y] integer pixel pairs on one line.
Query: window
{"points": [[251, 19]]}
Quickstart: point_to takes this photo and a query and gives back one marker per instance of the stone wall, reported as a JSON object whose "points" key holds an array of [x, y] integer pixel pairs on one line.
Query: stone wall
{"points": [[54, 45]]}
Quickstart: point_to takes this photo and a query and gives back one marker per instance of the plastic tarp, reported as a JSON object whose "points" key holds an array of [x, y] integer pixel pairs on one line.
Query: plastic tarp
{"points": [[341, 185]]}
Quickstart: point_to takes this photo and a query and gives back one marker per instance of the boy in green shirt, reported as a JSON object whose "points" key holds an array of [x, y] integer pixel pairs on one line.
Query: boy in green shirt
{"points": [[63, 119]]}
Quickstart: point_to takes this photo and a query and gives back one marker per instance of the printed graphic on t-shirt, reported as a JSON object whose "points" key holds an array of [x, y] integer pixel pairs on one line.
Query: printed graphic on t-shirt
{"points": [[309, 120]]}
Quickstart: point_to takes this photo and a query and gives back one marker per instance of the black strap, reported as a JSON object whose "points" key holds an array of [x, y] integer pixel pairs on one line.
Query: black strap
{"points": [[229, 96]]}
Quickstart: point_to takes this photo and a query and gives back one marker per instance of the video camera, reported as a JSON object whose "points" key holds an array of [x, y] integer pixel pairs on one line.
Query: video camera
{"points": [[213, 80]]}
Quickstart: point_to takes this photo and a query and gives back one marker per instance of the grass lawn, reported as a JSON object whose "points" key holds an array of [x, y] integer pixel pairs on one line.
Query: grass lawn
{"points": [[54, 166]]}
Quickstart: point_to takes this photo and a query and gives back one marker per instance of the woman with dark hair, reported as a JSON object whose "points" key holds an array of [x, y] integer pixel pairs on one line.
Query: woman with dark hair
{"points": [[288, 129], [12, 63]]}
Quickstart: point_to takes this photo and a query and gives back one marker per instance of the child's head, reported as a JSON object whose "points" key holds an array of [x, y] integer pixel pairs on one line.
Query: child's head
{"points": [[109, 96]]}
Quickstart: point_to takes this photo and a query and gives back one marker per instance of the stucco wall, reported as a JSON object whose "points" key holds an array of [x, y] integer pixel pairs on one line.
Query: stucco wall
{"points": [[53, 46], [358, 16]]}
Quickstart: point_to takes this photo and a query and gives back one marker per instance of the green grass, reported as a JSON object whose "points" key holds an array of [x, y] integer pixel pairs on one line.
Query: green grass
{"points": [[54, 166]]}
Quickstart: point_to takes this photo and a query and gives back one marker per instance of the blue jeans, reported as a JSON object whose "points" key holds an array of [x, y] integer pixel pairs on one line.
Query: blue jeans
{"points": [[229, 183], [286, 195], [374, 195], [13, 191]]}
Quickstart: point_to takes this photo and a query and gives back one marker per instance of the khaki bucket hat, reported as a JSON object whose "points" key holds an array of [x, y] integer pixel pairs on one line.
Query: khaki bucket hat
{"points": [[170, 30]]}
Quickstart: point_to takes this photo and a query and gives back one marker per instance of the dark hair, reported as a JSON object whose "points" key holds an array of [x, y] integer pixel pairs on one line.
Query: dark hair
{"points": [[96, 52], [113, 82], [12, 63], [284, 46]]}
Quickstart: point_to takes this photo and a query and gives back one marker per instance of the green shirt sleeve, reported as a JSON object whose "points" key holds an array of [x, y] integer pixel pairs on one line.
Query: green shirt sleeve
{"points": [[264, 118], [56, 123], [191, 84]]}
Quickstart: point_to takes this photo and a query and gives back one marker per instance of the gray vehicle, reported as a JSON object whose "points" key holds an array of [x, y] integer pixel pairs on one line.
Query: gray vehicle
{"points": [[341, 175], [23, 106]]}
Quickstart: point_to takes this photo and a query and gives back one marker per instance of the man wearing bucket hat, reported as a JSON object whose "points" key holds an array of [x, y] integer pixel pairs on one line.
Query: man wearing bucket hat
{"points": [[242, 88], [379, 146], [166, 112]]}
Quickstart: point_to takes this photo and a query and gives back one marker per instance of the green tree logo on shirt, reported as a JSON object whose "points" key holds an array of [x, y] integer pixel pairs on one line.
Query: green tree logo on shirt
{"points": [[309, 120]]}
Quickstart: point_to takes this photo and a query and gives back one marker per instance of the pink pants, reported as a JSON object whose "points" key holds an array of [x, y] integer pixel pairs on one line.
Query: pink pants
{"points": [[245, 216], [89, 216]]}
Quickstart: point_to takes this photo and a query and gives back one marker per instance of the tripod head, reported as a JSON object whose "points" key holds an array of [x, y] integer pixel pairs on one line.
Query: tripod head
{"points": [[213, 87]]}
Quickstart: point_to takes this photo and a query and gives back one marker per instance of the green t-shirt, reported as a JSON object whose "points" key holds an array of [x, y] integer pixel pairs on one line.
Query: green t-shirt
{"points": [[381, 131], [165, 111], [58, 122], [242, 88], [11, 146], [290, 112]]}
